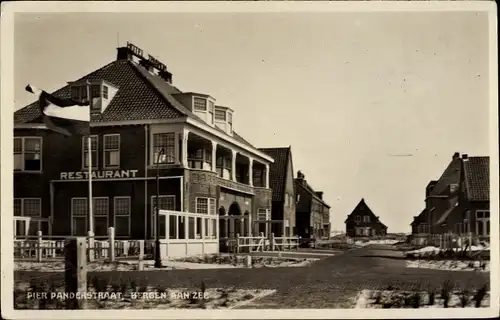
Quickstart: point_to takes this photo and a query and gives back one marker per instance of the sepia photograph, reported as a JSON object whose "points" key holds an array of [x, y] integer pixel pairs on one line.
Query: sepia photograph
{"points": [[218, 160]]}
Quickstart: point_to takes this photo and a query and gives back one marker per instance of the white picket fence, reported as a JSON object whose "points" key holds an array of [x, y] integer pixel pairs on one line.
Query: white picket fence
{"points": [[263, 243], [42, 248]]}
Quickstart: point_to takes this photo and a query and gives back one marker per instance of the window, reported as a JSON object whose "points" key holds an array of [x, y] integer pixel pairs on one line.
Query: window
{"points": [[195, 158], [482, 214], [202, 205], [358, 219], [220, 115], [483, 222], [200, 104], [32, 209], [164, 148], [181, 222], [28, 154], [122, 216], [205, 206], [101, 214], [366, 218], [199, 228], [165, 203], [105, 92], [79, 209], [94, 141], [95, 91], [262, 214], [111, 150]]}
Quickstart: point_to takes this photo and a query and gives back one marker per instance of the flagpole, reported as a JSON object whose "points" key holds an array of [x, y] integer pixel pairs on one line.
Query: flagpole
{"points": [[89, 151]]}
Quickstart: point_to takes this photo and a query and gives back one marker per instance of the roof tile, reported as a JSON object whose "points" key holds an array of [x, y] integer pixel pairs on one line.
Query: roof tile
{"points": [[278, 170], [477, 178]]}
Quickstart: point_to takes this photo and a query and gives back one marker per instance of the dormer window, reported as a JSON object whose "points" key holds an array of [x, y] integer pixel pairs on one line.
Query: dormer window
{"points": [[220, 115], [101, 93], [200, 104]]}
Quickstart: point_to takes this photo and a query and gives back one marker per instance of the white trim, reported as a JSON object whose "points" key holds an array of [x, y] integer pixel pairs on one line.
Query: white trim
{"points": [[226, 138], [40, 126], [128, 215], [96, 164], [71, 213], [111, 150], [23, 139]]}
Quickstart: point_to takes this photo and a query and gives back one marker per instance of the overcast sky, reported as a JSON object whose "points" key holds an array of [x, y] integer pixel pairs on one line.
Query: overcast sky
{"points": [[348, 91]]}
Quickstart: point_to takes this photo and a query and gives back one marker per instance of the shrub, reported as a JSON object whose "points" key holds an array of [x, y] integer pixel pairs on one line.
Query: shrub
{"points": [[415, 300]]}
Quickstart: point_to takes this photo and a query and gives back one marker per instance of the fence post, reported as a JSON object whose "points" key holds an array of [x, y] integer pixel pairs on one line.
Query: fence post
{"points": [[271, 241], [75, 276], [39, 246], [141, 255], [470, 243], [111, 248], [298, 242], [263, 240], [91, 246], [237, 243]]}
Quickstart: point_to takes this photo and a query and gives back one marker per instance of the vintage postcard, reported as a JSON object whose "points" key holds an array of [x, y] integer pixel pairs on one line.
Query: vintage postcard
{"points": [[182, 160]]}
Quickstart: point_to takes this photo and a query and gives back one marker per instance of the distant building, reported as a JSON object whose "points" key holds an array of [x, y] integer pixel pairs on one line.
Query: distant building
{"points": [[313, 213], [281, 182], [362, 222], [459, 202]]}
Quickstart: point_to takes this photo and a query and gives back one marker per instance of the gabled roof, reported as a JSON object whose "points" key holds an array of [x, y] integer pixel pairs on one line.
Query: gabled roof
{"points": [[477, 178], [141, 96], [451, 175], [422, 217], [299, 183], [366, 210], [278, 170]]}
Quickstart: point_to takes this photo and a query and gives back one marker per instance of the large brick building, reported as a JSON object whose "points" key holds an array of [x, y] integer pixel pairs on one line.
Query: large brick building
{"points": [[312, 218], [140, 123], [459, 201]]}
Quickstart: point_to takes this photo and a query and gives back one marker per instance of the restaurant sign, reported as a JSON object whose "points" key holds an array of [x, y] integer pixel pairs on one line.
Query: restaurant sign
{"points": [[106, 174]]}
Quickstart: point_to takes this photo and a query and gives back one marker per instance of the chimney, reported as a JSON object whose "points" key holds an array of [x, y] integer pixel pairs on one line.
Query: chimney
{"points": [[319, 194], [123, 53], [300, 175], [465, 157], [456, 155]]}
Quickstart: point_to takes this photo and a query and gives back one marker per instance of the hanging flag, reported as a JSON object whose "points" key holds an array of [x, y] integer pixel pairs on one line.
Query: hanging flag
{"points": [[63, 115]]}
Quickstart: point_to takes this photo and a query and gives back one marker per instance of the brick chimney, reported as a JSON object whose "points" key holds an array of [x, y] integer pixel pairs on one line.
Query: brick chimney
{"points": [[300, 175], [319, 194], [123, 53], [465, 157], [456, 155]]}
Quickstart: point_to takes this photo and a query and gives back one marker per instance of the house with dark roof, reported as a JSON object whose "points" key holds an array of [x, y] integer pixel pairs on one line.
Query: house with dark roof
{"points": [[212, 180], [362, 222], [312, 217], [281, 182], [459, 202]]}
